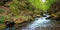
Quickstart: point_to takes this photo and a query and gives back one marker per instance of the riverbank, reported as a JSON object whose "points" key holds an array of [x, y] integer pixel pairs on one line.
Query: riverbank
{"points": [[39, 24]]}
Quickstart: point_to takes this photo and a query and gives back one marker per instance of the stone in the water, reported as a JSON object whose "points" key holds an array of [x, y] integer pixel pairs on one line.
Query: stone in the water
{"points": [[47, 18]]}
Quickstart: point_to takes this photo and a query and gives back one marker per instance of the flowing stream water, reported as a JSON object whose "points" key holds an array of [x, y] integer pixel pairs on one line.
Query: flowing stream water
{"points": [[42, 24]]}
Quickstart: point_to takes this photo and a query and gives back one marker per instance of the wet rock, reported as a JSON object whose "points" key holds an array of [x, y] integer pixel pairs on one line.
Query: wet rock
{"points": [[38, 16], [9, 24], [54, 17], [58, 19], [50, 17], [44, 15]]}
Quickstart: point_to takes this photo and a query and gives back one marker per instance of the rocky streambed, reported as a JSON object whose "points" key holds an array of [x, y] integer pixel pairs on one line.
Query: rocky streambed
{"points": [[39, 24]]}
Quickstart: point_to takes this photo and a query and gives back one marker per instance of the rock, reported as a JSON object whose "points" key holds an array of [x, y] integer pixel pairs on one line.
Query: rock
{"points": [[53, 16], [9, 24], [38, 16]]}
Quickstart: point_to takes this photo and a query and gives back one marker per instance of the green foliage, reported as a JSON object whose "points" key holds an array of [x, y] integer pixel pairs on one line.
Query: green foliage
{"points": [[48, 3], [1, 3], [36, 3], [14, 7], [1, 10], [1, 19], [40, 5]]}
